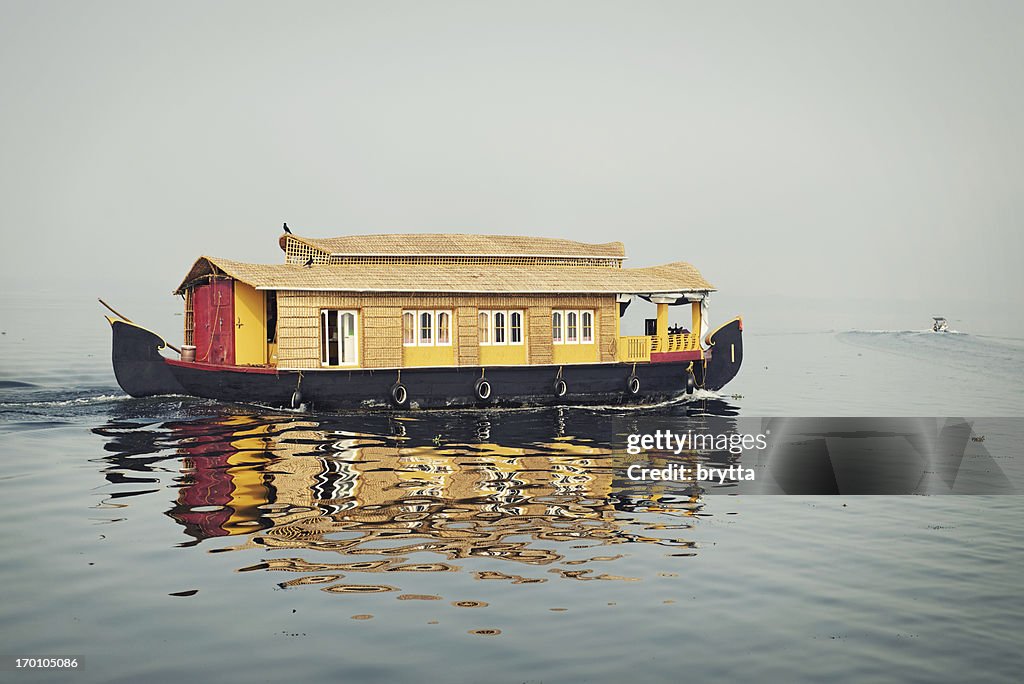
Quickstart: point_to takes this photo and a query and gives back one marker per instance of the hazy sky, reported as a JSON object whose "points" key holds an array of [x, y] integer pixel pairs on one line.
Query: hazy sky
{"points": [[830, 149]]}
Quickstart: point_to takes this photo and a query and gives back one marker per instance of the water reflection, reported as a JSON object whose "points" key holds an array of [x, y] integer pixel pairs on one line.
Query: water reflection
{"points": [[352, 504]]}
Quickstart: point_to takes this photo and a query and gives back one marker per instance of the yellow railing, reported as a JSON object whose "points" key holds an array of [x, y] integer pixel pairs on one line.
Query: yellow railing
{"points": [[640, 347], [637, 348], [675, 342]]}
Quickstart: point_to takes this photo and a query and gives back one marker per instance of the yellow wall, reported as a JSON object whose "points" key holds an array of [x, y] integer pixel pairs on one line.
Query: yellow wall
{"points": [[502, 354], [429, 356], [251, 337], [574, 353]]}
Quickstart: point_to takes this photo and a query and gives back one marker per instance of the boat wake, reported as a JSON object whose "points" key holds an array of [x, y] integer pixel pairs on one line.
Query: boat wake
{"points": [[683, 400], [77, 401], [988, 356], [924, 331]]}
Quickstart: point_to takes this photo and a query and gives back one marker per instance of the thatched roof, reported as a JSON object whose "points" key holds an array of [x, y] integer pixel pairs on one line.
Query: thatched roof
{"points": [[529, 279], [434, 244]]}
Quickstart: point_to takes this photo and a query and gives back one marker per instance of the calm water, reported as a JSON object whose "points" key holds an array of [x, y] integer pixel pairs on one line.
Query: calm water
{"points": [[169, 538]]}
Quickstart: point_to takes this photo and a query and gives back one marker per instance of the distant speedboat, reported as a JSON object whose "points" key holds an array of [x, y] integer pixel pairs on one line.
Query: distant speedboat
{"points": [[939, 324]]}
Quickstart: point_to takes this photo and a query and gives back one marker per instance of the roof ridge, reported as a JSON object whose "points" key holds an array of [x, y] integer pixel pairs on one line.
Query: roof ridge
{"points": [[466, 244]]}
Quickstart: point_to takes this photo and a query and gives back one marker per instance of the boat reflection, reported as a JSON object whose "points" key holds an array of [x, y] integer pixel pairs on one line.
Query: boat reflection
{"points": [[522, 496]]}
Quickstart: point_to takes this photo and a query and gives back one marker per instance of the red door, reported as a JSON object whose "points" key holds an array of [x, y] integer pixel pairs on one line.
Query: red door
{"points": [[214, 315]]}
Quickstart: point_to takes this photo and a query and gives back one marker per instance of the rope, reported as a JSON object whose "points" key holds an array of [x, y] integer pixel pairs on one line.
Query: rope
{"points": [[704, 377]]}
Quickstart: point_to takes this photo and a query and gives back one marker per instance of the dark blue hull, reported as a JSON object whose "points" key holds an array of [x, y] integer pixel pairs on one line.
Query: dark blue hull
{"points": [[142, 371]]}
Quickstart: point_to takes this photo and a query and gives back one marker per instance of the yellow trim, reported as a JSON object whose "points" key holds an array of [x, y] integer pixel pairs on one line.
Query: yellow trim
{"points": [[707, 338], [695, 318], [112, 321]]}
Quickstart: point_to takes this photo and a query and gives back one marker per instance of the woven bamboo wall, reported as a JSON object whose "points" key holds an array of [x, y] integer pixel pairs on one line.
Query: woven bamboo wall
{"points": [[380, 324], [606, 335], [467, 341], [381, 339], [538, 323], [190, 321]]}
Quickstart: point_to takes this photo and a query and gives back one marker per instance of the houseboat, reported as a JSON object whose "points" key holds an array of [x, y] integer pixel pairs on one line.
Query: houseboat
{"points": [[433, 321]]}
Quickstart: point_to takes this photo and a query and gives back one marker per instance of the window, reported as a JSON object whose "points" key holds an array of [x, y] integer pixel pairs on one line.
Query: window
{"points": [[572, 327], [426, 338], [427, 328], [501, 327], [586, 327], [515, 327], [408, 328], [484, 324], [338, 343], [444, 335]]}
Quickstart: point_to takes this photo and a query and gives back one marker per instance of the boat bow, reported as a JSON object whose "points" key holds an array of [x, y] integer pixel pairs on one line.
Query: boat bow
{"points": [[138, 366]]}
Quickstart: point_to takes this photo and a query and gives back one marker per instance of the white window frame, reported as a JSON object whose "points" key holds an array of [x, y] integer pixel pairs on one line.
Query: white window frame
{"points": [[437, 328], [419, 328], [575, 313], [486, 327], [435, 316], [504, 327], [522, 327], [415, 327], [590, 313], [491, 327], [579, 313], [340, 342]]}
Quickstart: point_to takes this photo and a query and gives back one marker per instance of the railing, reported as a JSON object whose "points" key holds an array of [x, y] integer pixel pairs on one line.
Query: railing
{"points": [[637, 348], [675, 342], [640, 347]]}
